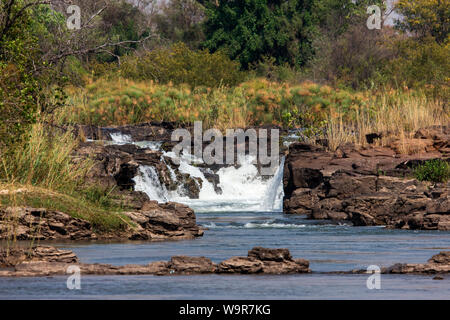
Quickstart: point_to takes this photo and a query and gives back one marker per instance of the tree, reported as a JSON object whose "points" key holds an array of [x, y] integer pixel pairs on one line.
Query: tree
{"points": [[250, 29], [180, 20], [34, 46], [425, 17]]}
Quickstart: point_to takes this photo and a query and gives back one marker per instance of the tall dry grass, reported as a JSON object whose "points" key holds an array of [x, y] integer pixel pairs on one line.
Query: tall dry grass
{"points": [[394, 114], [44, 158]]}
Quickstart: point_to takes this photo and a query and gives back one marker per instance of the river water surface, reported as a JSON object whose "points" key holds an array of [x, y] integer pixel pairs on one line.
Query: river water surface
{"points": [[248, 213]]}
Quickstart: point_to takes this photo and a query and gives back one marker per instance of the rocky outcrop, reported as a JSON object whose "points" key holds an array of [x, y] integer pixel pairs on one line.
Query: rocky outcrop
{"points": [[170, 221], [149, 131], [47, 261], [117, 165], [263, 260], [25, 223], [15, 256], [370, 185], [437, 264]]}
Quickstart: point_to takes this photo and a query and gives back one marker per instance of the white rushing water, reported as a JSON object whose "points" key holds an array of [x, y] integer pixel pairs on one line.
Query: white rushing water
{"points": [[243, 188]]}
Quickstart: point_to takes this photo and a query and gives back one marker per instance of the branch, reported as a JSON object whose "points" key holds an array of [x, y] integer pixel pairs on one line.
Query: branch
{"points": [[11, 20]]}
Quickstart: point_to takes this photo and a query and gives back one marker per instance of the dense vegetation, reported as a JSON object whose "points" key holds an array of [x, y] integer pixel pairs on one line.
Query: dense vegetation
{"points": [[296, 63]]}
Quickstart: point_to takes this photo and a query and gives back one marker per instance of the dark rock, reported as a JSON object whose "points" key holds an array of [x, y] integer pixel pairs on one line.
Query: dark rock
{"points": [[371, 137], [265, 254], [369, 185]]}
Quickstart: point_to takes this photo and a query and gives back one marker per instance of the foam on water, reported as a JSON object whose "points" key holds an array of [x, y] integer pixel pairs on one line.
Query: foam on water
{"points": [[120, 138]]}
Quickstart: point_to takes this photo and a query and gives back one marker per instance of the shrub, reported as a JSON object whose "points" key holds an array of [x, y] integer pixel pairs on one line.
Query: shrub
{"points": [[436, 170], [423, 64], [354, 59], [178, 64]]}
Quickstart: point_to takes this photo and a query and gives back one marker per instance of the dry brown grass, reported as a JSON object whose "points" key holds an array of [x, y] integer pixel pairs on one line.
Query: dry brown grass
{"points": [[396, 115]]}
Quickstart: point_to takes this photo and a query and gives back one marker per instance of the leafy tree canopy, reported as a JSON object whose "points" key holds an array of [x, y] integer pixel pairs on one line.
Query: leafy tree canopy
{"points": [[425, 17]]}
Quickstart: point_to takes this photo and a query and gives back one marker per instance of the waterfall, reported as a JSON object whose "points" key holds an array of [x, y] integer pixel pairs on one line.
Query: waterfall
{"points": [[273, 199], [243, 188], [120, 138], [148, 181]]}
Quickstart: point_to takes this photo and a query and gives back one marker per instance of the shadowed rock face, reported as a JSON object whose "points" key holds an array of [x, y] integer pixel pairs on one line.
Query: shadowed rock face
{"points": [[170, 221], [117, 165], [45, 261], [371, 185]]}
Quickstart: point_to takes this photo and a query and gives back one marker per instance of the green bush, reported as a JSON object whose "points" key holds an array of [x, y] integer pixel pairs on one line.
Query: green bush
{"points": [[436, 170], [423, 63], [179, 64]]}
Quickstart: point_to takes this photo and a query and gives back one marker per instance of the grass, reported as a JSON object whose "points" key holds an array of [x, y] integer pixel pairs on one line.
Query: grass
{"points": [[44, 158], [395, 114], [339, 115], [103, 218], [47, 174]]}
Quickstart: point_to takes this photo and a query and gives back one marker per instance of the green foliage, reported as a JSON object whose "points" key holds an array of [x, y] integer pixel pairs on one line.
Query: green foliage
{"points": [[24, 74], [120, 21], [425, 18], [355, 58], [179, 64], [19, 90], [248, 30], [423, 63], [436, 170]]}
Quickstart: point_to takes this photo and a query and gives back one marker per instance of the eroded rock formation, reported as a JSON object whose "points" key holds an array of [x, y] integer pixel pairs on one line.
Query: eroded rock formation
{"points": [[371, 185], [170, 221]]}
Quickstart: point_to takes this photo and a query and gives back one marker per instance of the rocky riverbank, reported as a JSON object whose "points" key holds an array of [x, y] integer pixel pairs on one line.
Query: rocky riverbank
{"points": [[370, 185], [48, 261], [153, 221]]}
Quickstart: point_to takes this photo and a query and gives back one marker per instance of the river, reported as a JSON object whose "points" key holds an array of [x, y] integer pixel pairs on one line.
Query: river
{"points": [[248, 213]]}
